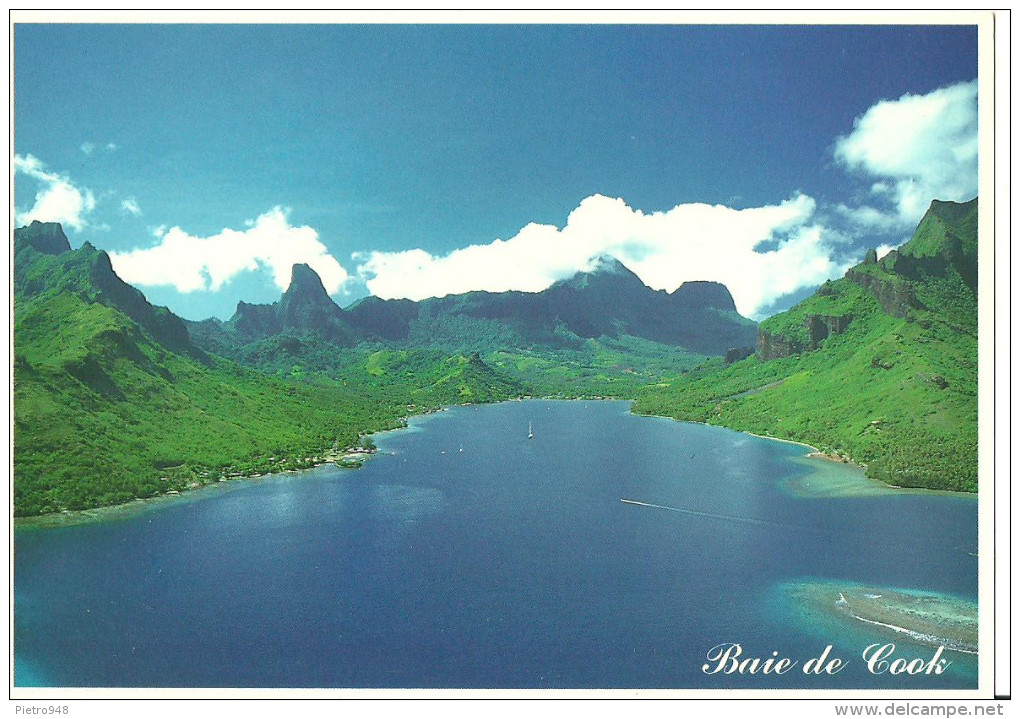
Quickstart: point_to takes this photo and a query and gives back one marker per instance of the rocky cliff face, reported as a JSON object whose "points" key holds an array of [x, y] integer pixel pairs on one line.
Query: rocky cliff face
{"points": [[307, 307], [819, 327], [935, 270], [894, 295], [377, 319], [45, 237], [255, 321], [772, 347]]}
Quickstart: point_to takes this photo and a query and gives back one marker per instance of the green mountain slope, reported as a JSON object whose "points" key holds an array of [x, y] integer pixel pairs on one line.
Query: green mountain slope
{"points": [[104, 414], [428, 378], [44, 262], [879, 366], [113, 401]]}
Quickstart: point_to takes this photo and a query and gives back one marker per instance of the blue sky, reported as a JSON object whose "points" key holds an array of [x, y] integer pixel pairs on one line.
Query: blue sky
{"points": [[422, 159]]}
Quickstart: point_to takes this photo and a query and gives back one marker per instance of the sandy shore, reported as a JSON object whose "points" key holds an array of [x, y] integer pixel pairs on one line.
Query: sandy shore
{"points": [[829, 457], [814, 450]]}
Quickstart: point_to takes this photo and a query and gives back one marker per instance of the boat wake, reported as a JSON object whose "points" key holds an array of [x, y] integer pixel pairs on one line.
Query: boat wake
{"points": [[711, 515]]}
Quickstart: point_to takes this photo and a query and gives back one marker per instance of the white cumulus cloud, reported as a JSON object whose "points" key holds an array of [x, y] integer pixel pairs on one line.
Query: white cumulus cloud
{"points": [[130, 206], [917, 149], [883, 250], [189, 263], [870, 218], [57, 199], [665, 249]]}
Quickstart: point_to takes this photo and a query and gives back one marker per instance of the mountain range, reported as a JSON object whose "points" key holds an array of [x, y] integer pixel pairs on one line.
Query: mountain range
{"points": [[607, 301], [117, 399]]}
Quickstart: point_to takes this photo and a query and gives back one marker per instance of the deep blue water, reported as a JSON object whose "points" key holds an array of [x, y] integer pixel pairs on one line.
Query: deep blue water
{"points": [[512, 563]]}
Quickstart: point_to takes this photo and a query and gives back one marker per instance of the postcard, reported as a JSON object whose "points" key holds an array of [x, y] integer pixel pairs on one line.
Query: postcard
{"points": [[502, 355]]}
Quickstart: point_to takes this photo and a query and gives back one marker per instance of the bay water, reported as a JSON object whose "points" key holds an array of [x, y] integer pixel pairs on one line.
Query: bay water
{"points": [[466, 555]]}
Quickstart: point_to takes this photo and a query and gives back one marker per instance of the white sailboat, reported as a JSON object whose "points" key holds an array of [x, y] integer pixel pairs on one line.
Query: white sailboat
{"points": [[531, 435]]}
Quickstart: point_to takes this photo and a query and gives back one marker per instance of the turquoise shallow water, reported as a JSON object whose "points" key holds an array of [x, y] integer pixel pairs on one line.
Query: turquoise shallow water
{"points": [[849, 638], [466, 555]]}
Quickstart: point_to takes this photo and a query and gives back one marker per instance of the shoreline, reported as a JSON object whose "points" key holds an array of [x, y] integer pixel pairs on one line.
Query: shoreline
{"points": [[816, 453], [134, 506], [797, 486], [916, 636], [801, 486], [865, 486], [139, 504]]}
